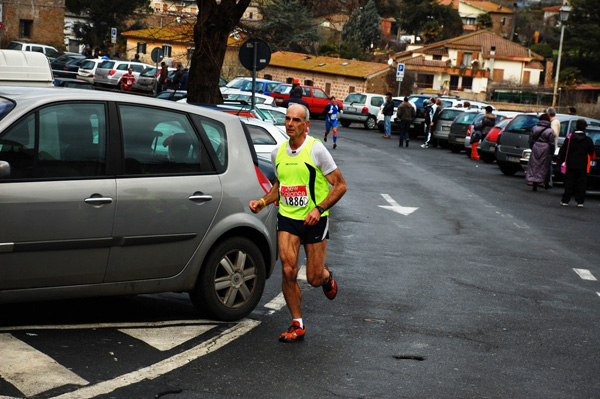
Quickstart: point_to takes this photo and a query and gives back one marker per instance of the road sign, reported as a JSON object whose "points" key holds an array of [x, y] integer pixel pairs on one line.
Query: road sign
{"points": [[247, 54], [400, 72], [157, 54], [113, 35]]}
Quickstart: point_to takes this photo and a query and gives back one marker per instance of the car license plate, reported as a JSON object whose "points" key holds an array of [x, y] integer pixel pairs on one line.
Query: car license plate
{"points": [[351, 109], [445, 128], [460, 139], [513, 159]]}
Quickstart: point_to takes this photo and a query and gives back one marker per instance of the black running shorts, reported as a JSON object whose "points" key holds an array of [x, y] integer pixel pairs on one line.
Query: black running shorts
{"points": [[307, 234]]}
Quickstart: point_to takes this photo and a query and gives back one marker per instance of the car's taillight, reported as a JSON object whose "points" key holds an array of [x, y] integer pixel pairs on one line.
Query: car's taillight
{"points": [[469, 130], [365, 110], [262, 179], [111, 72]]}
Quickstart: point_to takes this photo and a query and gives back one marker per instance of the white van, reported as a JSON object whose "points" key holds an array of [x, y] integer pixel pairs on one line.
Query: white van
{"points": [[48, 51], [25, 68]]}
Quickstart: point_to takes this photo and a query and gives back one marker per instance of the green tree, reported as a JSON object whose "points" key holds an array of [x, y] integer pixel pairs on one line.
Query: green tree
{"points": [[212, 29], [581, 32], [287, 25], [484, 21], [432, 32], [415, 14], [351, 29], [104, 15], [370, 26], [542, 49]]}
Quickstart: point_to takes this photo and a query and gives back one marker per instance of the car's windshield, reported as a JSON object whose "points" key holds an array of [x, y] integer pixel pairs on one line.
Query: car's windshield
{"points": [[417, 101], [14, 46], [595, 136], [356, 99], [503, 123], [283, 89], [523, 124], [236, 83], [88, 65]]}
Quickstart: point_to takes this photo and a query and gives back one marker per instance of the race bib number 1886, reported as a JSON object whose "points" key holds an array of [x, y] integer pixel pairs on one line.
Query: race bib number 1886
{"points": [[294, 196]]}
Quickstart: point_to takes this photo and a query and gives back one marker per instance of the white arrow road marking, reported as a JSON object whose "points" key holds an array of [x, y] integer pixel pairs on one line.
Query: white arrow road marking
{"points": [[167, 338], [31, 371], [585, 274], [396, 207]]}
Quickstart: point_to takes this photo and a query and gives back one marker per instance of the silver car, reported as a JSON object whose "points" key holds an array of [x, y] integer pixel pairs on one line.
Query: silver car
{"points": [[112, 194], [442, 127], [110, 71]]}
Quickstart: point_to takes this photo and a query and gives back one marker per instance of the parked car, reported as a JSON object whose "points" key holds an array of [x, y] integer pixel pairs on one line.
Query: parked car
{"points": [[73, 83], [276, 113], [172, 95], [67, 65], [25, 68], [442, 127], [514, 140], [110, 72], [148, 79], [87, 69], [139, 196], [266, 167], [487, 148], [48, 51], [458, 129], [262, 86], [362, 108], [316, 98], [238, 95], [500, 115], [265, 136]]}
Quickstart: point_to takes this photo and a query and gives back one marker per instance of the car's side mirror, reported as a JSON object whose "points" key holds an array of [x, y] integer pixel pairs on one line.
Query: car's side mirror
{"points": [[4, 169]]}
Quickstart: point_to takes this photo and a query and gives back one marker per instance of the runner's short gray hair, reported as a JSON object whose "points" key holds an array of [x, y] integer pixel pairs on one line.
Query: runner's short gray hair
{"points": [[306, 111]]}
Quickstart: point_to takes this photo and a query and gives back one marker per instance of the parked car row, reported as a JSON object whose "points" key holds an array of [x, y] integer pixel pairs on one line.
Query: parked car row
{"points": [[507, 142]]}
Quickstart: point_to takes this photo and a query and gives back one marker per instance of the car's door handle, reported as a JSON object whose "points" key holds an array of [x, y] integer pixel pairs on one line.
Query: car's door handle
{"points": [[200, 197], [97, 199]]}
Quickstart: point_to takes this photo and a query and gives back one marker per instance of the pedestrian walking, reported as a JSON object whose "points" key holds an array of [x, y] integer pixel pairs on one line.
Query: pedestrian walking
{"points": [[87, 51], [136, 58], [429, 111], [541, 142], [576, 152], [481, 130], [331, 120], [387, 111], [305, 170], [555, 124], [177, 76], [406, 113], [127, 80], [162, 78], [294, 98]]}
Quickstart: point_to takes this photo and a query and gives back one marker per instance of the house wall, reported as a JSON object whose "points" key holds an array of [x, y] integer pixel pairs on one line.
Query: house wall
{"points": [[48, 18], [336, 85]]}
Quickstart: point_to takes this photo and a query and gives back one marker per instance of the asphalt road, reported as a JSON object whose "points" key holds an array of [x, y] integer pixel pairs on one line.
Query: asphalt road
{"points": [[455, 281]]}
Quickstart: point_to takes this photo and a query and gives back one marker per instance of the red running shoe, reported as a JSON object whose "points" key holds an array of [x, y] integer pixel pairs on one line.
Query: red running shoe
{"points": [[330, 288], [293, 334]]}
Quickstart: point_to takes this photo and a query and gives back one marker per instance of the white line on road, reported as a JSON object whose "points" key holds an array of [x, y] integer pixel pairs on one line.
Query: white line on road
{"points": [[396, 207], [31, 371], [141, 324], [166, 338], [585, 274], [279, 301], [165, 366]]}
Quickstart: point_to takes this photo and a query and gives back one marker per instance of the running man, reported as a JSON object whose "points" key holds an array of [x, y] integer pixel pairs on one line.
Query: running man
{"points": [[304, 169], [331, 121]]}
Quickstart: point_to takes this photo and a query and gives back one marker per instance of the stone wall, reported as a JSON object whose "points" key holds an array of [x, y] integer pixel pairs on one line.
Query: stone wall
{"points": [[48, 18]]}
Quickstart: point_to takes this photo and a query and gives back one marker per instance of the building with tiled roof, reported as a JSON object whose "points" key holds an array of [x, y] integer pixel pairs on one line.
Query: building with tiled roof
{"points": [[468, 63], [337, 76], [177, 43], [502, 17]]}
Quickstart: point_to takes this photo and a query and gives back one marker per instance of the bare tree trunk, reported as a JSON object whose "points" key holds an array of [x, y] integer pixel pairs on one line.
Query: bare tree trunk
{"points": [[215, 23]]}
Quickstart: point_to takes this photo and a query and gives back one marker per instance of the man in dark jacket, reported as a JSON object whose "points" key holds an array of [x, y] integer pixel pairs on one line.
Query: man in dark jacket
{"points": [[406, 114], [429, 109], [162, 79], [576, 151], [295, 97], [388, 111]]}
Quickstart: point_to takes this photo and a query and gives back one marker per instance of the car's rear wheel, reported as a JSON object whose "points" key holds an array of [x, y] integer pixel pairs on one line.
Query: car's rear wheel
{"points": [[231, 281], [345, 123], [370, 123], [508, 169]]}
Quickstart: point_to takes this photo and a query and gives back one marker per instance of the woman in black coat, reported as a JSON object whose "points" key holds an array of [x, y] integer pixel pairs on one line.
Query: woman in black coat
{"points": [[576, 150]]}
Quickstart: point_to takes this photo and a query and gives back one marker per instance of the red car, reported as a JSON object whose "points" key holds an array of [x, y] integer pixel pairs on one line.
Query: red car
{"points": [[487, 148], [316, 98]]}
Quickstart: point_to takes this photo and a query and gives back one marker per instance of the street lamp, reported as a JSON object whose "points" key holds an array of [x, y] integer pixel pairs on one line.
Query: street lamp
{"points": [[564, 16]]}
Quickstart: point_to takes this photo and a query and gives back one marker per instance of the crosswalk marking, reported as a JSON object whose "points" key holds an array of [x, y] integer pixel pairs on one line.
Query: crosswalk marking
{"points": [[585, 274], [39, 373], [167, 338]]}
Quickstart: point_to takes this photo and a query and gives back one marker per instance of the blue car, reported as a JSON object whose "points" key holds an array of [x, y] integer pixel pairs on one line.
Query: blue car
{"points": [[245, 84]]}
